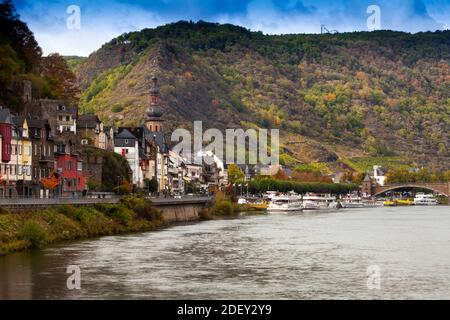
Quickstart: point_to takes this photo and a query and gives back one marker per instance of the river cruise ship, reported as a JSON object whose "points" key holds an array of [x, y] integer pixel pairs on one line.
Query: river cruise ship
{"points": [[285, 204], [319, 201]]}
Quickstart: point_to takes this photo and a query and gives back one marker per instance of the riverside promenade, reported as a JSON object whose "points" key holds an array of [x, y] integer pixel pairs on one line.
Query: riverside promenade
{"points": [[19, 203]]}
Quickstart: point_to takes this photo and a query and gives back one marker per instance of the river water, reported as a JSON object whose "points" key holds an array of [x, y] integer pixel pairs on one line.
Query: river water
{"points": [[376, 253]]}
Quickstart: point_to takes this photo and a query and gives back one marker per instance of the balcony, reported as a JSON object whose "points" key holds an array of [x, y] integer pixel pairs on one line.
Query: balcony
{"points": [[44, 159]]}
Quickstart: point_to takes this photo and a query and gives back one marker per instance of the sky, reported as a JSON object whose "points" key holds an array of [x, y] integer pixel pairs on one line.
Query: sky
{"points": [[59, 28]]}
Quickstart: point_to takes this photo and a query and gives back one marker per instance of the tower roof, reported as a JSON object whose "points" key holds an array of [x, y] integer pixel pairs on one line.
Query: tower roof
{"points": [[154, 111], [154, 88]]}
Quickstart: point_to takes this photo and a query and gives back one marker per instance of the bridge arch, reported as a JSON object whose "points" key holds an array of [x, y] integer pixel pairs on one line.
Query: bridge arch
{"points": [[435, 188]]}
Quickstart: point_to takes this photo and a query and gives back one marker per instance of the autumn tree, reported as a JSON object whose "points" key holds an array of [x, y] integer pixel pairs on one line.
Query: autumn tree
{"points": [[51, 182], [61, 79], [281, 175], [235, 174], [125, 188]]}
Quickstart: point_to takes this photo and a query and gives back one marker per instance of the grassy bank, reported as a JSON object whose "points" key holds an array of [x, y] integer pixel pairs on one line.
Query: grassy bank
{"points": [[224, 207], [36, 229]]}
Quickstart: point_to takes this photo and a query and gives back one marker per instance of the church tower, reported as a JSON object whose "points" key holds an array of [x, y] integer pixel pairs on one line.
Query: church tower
{"points": [[153, 121]]}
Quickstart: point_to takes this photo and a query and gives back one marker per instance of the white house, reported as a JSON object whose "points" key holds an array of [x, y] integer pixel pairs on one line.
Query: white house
{"points": [[379, 175], [126, 144]]}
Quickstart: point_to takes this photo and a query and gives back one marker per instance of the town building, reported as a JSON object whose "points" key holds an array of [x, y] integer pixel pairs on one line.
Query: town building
{"points": [[62, 118], [43, 159], [378, 174], [21, 157], [176, 172], [69, 169], [126, 144], [7, 188], [90, 131]]}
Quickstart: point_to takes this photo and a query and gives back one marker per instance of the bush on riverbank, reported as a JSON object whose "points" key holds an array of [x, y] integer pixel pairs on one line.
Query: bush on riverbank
{"points": [[34, 229], [442, 200], [34, 233], [221, 207]]}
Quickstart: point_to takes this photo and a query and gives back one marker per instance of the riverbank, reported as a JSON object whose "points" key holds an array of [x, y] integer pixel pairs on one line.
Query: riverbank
{"points": [[36, 229], [23, 230]]}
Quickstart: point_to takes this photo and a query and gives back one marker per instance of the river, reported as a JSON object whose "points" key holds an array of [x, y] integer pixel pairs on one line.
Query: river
{"points": [[312, 255]]}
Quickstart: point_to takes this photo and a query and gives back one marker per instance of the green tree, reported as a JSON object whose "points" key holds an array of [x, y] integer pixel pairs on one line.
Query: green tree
{"points": [[235, 174], [151, 185]]}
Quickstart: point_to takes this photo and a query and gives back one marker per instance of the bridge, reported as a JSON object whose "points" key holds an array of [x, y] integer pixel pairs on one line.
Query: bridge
{"points": [[438, 187]]}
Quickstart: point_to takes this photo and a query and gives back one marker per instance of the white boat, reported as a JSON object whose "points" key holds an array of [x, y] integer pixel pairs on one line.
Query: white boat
{"points": [[285, 204], [319, 201], [353, 203], [242, 201], [423, 199]]}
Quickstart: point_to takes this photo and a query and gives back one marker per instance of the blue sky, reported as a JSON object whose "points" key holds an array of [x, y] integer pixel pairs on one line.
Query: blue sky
{"points": [[103, 20]]}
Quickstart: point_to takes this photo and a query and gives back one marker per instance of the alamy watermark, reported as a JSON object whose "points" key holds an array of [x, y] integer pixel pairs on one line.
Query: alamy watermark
{"points": [[73, 22], [373, 273], [374, 20], [74, 280], [241, 147]]}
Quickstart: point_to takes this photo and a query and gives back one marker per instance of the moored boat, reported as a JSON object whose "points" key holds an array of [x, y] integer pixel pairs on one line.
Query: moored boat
{"points": [[319, 201], [352, 202], [422, 199], [285, 204]]}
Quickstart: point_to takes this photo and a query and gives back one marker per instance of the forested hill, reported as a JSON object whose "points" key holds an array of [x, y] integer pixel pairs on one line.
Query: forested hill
{"points": [[21, 59], [335, 95]]}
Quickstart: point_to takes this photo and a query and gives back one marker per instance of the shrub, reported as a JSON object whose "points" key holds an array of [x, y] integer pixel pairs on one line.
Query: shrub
{"points": [[132, 201], [122, 215], [68, 210], [34, 233], [147, 212], [4, 211], [223, 208], [117, 108]]}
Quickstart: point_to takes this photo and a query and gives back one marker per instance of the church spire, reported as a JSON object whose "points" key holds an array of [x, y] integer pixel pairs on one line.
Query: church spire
{"points": [[154, 111], [154, 91]]}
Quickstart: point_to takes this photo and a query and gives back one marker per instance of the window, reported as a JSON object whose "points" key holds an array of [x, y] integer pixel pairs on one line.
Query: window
{"points": [[126, 141], [69, 165], [80, 166], [60, 118]]}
